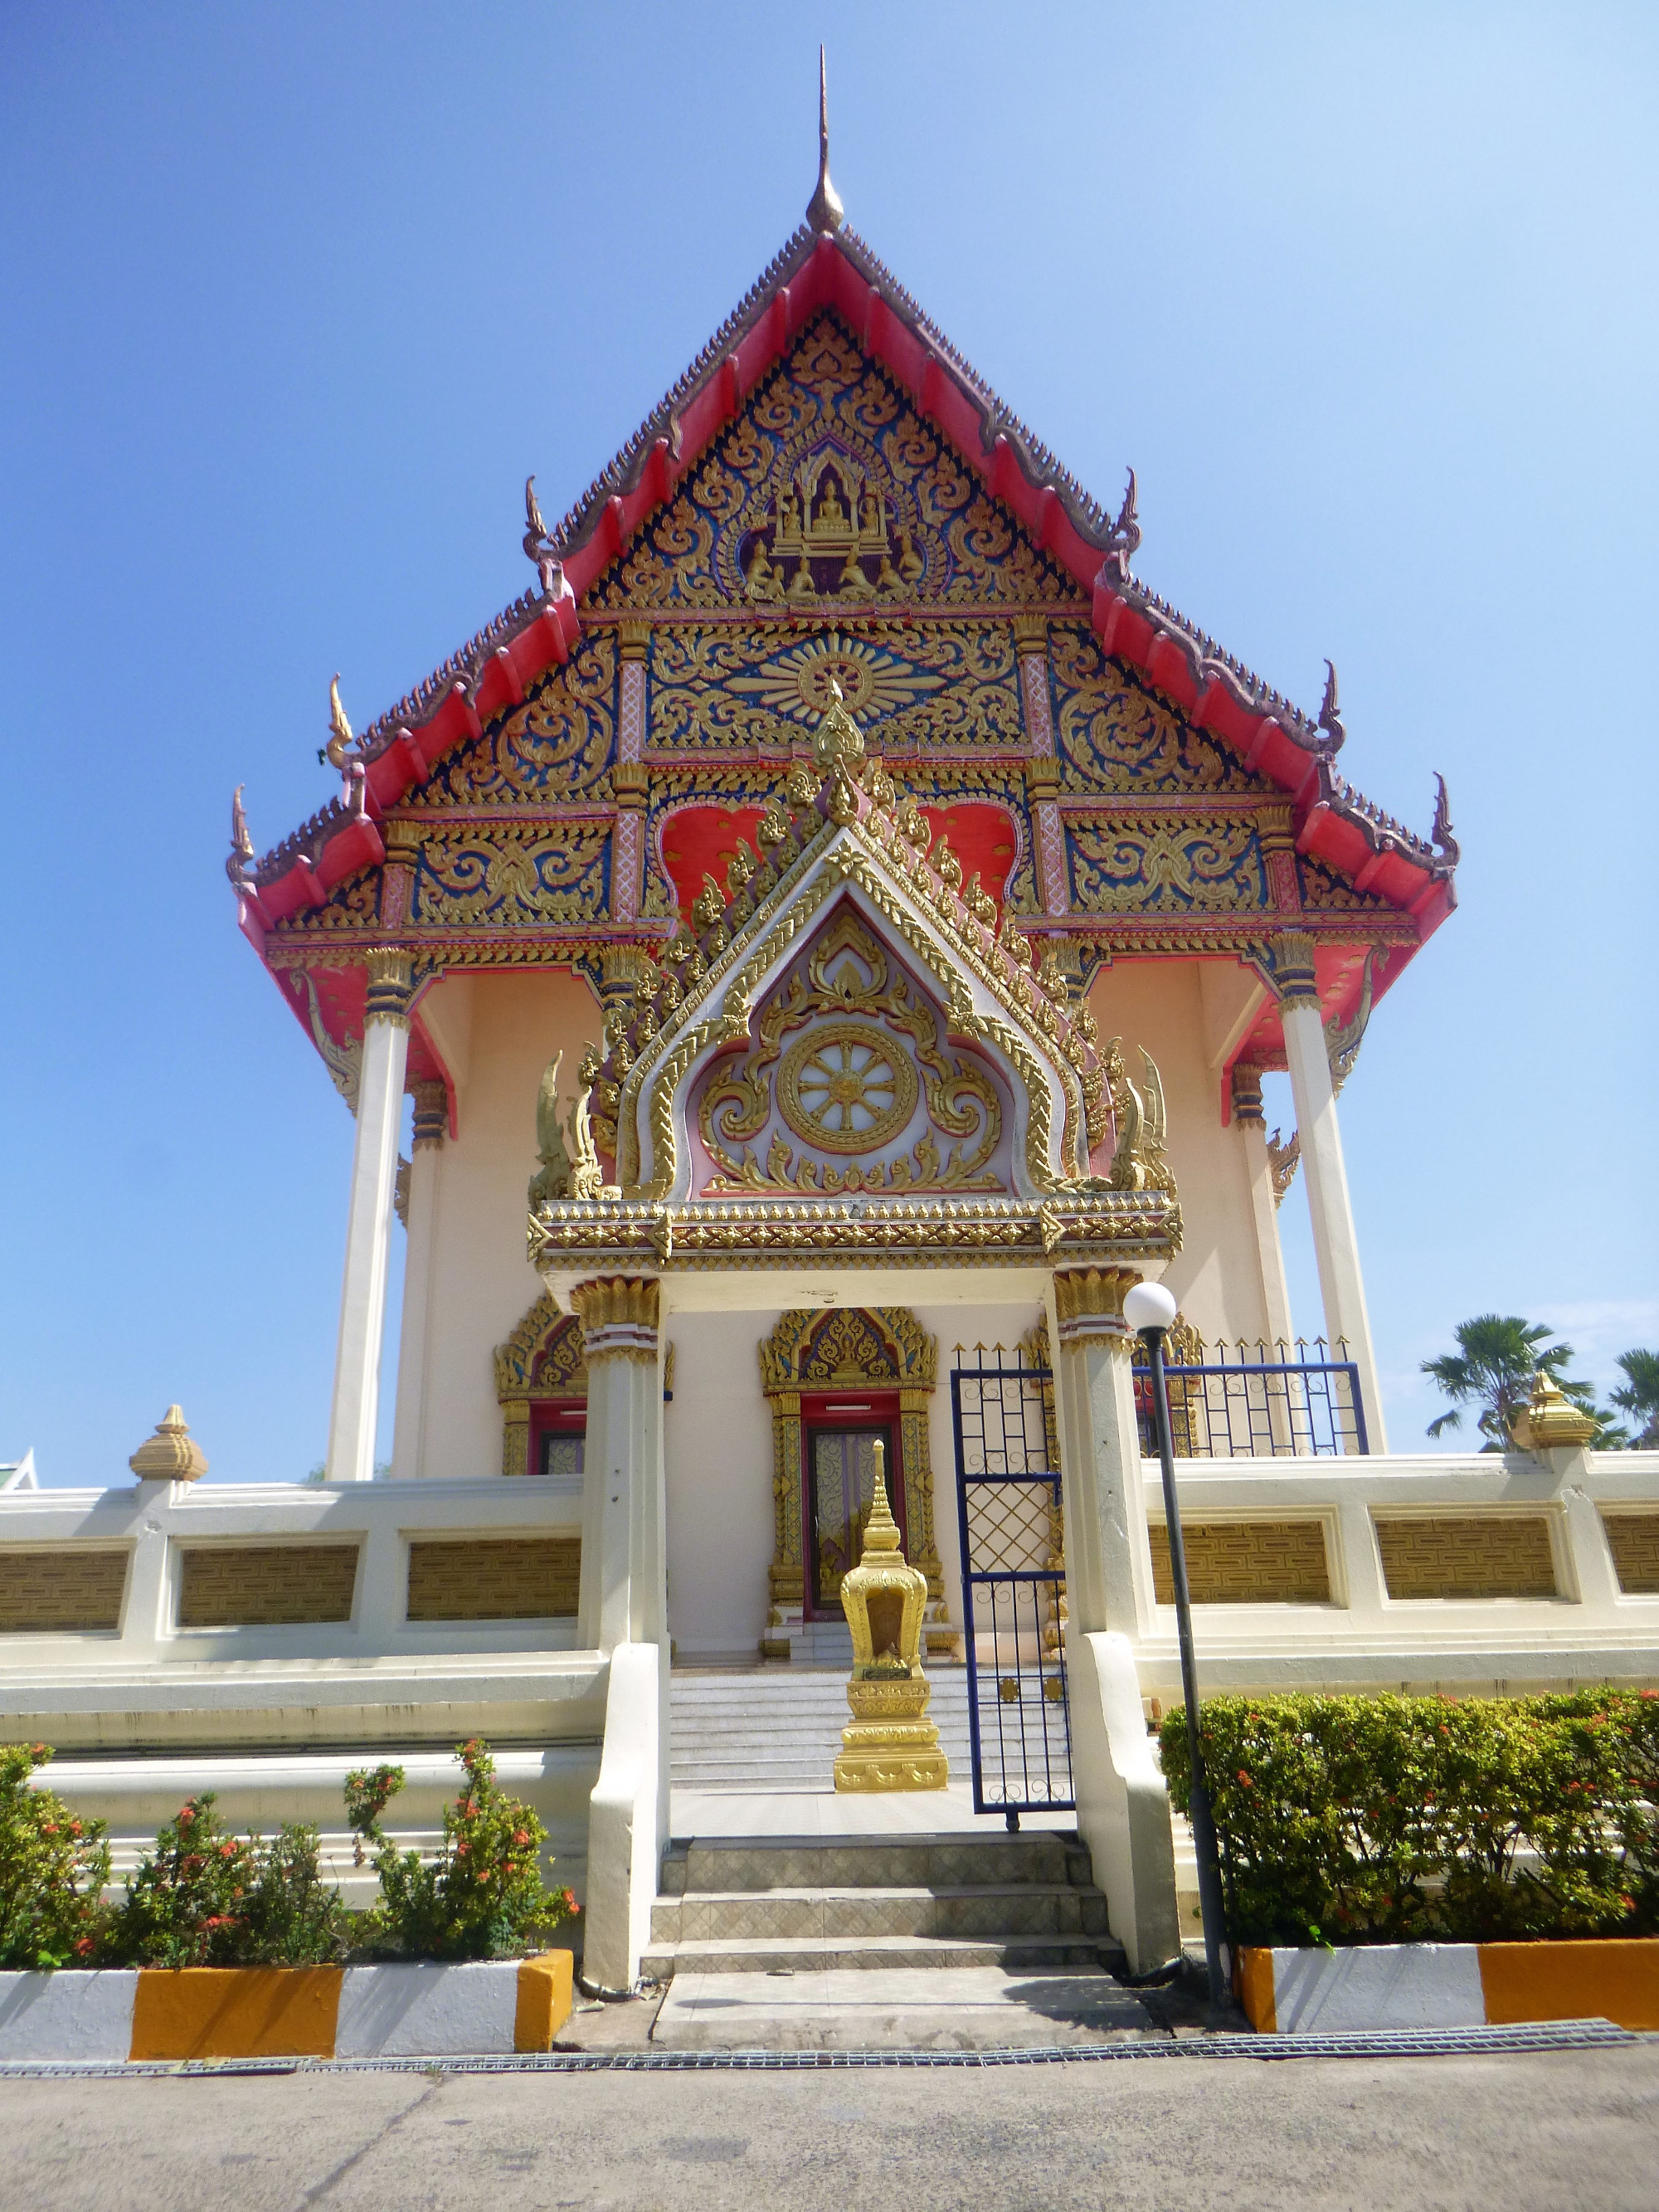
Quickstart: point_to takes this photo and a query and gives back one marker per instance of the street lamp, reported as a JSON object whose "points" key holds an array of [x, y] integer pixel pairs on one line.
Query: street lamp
{"points": [[1150, 1311]]}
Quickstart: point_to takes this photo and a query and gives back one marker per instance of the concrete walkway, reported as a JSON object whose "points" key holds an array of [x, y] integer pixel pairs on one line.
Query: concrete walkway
{"points": [[902, 2009]]}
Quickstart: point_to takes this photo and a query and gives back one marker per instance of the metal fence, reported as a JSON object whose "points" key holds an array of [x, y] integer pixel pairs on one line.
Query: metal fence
{"points": [[1013, 1584], [1256, 1402]]}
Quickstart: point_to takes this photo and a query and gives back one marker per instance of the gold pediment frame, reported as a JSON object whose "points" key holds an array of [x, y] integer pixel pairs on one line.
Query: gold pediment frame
{"points": [[543, 1358], [836, 858], [850, 1348]]}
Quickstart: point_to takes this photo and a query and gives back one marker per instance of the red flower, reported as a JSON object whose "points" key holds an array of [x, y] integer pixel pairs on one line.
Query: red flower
{"points": [[49, 1828], [462, 1849], [185, 1816], [227, 1850], [509, 1867], [521, 1837], [1245, 1779], [85, 1947]]}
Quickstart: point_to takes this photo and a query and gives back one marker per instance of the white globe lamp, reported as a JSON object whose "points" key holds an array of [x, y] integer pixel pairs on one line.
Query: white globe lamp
{"points": [[1149, 1306]]}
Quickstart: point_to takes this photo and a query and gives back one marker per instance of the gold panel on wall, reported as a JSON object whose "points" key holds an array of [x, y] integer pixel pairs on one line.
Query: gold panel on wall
{"points": [[1633, 1539], [1468, 1555], [265, 1585], [50, 1593], [1246, 1563], [494, 1578]]}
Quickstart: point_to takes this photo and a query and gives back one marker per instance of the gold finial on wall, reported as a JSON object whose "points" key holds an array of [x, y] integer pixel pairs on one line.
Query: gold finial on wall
{"points": [[172, 1455]]}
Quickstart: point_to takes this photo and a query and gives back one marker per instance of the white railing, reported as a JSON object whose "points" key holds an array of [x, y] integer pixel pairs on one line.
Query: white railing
{"points": [[1592, 1629]]}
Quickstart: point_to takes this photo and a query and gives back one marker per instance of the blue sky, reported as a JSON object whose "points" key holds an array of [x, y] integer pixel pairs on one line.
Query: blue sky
{"points": [[295, 297]]}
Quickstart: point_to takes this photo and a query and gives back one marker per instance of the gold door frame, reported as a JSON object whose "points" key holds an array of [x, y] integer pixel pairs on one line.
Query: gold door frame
{"points": [[847, 1348]]}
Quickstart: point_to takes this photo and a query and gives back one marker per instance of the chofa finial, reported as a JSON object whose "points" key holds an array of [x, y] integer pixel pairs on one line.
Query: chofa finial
{"points": [[1330, 710], [339, 729], [824, 210]]}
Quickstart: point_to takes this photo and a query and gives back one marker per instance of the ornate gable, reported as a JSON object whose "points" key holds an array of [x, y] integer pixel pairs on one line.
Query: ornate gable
{"points": [[843, 1054], [831, 497]]}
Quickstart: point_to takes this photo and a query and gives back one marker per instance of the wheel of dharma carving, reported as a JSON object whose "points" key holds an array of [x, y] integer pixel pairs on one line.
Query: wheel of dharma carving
{"points": [[847, 1087]]}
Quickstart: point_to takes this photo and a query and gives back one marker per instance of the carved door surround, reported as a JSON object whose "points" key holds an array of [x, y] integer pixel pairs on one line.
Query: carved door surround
{"points": [[538, 1370], [814, 1359]]}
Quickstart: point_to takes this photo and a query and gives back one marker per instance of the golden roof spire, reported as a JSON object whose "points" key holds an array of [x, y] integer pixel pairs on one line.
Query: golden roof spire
{"points": [[824, 210]]}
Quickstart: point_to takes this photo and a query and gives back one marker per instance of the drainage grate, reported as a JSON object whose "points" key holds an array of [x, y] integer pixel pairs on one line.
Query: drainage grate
{"points": [[1381, 2043]]}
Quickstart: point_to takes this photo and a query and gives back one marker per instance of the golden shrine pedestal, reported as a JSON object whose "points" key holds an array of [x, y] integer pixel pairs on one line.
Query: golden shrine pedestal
{"points": [[890, 1743]]}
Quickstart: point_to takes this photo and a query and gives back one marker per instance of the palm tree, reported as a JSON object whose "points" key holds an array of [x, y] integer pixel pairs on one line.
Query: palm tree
{"points": [[1497, 1356], [1640, 1394]]}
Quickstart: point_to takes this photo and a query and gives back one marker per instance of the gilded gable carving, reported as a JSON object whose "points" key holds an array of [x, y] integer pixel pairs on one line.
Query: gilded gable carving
{"points": [[910, 684], [1322, 887], [841, 1346], [556, 872], [353, 904], [556, 745], [848, 1084], [829, 487], [1117, 735], [1178, 863]]}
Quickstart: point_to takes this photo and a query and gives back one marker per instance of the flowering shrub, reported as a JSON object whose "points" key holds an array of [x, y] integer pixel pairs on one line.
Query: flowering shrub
{"points": [[187, 1904], [1394, 1820], [483, 1894], [53, 1869], [204, 1898]]}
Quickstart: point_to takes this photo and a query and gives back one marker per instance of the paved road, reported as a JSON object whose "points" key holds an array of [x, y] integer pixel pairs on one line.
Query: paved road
{"points": [[1572, 2131]]}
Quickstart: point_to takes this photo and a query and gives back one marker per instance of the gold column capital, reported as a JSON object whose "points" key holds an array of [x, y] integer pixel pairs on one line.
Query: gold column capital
{"points": [[1294, 967], [1030, 634], [391, 983], [618, 1316], [1088, 1302], [1273, 826], [431, 1113], [1247, 1093], [632, 637]]}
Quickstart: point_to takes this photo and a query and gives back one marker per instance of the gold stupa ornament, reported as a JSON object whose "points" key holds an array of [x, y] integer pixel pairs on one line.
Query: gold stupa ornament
{"points": [[1551, 1421], [890, 1743], [172, 1455]]}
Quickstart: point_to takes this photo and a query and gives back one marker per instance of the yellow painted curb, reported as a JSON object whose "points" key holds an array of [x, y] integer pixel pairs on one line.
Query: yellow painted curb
{"points": [[1608, 1978], [543, 1999], [235, 2012], [1254, 1986]]}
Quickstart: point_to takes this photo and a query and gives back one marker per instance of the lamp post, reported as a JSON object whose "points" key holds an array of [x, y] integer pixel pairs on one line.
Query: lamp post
{"points": [[1150, 1311]]}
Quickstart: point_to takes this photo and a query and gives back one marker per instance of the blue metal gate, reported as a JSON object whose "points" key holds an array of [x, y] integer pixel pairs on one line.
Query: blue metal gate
{"points": [[1009, 1515]]}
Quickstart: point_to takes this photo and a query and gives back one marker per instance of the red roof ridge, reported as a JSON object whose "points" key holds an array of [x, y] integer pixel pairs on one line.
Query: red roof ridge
{"points": [[1132, 621]]}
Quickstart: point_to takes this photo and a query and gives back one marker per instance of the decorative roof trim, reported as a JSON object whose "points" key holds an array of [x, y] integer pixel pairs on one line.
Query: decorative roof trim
{"points": [[838, 271]]}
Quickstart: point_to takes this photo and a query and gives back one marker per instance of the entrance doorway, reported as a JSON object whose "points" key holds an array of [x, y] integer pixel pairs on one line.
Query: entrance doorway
{"points": [[840, 1488]]}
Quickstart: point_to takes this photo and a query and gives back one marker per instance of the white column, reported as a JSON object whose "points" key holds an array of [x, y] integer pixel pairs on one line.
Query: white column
{"points": [[622, 1611], [1122, 1807], [624, 1587], [426, 1159], [1264, 1208], [368, 1220], [1109, 1560], [1335, 1246]]}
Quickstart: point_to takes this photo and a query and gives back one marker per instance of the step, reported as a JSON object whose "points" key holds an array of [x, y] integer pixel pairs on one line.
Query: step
{"points": [[1038, 1954], [722, 1864], [988, 1909]]}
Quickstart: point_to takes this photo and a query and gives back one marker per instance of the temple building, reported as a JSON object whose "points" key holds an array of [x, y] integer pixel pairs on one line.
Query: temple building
{"points": [[832, 928], [1081, 863]]}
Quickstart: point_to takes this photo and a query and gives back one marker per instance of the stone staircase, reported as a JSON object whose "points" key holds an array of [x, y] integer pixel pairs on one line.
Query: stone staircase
{"points": [[800, 1904], [771, 1729]]}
